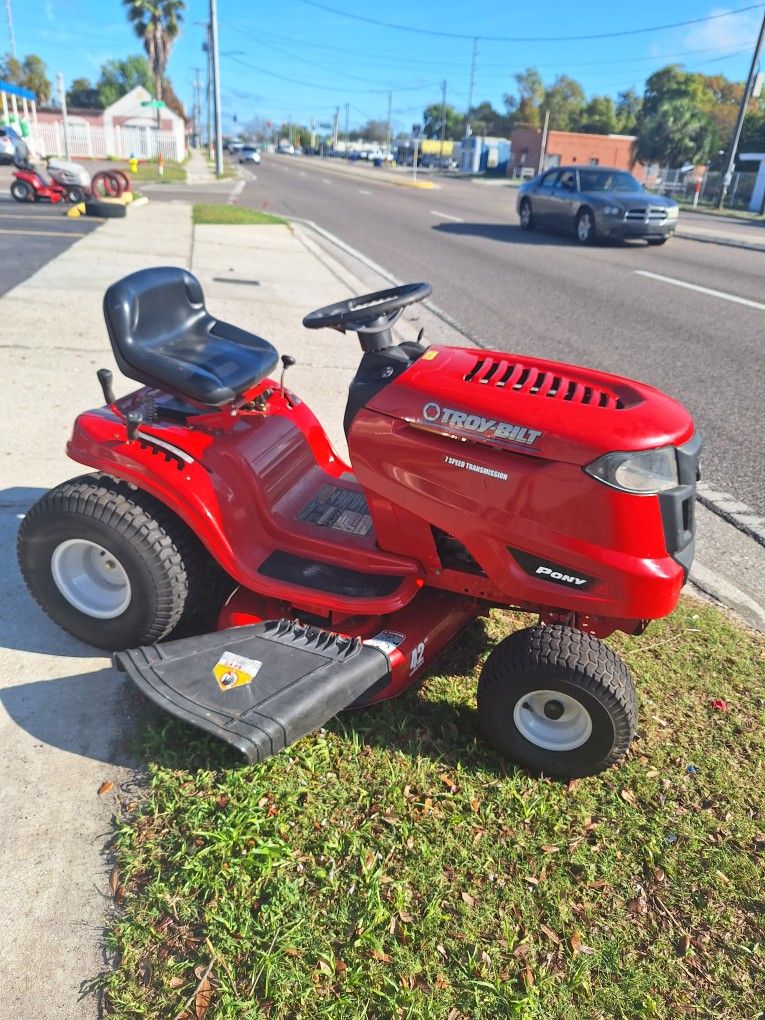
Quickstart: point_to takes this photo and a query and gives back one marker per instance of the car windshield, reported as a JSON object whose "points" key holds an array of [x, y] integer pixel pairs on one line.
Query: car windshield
{"points": [[607, 180]]}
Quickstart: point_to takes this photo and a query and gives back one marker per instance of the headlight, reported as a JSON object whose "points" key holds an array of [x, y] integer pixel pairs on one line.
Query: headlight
{"points": [[612, 210], [644, 472], [672, 212]]}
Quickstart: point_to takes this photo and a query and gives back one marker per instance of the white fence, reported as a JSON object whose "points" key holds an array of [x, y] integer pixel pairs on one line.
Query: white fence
{"points": [[85, 140]]}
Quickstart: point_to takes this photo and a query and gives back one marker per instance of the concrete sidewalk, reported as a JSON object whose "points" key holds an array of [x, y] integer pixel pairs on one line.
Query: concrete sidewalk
{"points": [[67, 719]]}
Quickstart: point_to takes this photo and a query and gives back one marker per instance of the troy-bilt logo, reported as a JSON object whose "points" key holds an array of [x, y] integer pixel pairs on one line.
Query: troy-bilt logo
{"points": [[464, 421]]}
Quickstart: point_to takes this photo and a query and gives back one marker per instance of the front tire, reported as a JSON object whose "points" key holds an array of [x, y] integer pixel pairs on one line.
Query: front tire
{"points": [[557, 701], [526, 215], [22, 191], [656, 241], [75, 195], [110, 564], [585, 226]]}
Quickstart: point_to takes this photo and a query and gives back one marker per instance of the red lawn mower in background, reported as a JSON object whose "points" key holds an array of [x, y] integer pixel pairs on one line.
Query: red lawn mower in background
{"points": [[67, 182], [476, 479]]}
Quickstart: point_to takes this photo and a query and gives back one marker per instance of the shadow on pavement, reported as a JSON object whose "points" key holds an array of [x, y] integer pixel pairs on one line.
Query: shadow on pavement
{"points": [[509, 233], [68, 713]]}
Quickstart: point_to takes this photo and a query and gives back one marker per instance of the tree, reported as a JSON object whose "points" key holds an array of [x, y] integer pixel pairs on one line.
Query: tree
{"points": [[485, 120], [30, 73], [374, 131], [676, 132], [628, 109], [157, 23], [598, 117], [81, 93], [120, 76], [433, 117], [531, 94], [564, 100]]}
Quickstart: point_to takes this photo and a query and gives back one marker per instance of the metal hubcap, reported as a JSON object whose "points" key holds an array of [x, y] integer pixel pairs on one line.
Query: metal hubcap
{"points": [[552, 720], [91, 578], [584, 227], [525, 214]]}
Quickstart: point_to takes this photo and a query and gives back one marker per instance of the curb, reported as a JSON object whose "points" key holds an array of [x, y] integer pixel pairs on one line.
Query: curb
{"points": [[724, 241], [741, 516], [412, 184], [716, 587]]}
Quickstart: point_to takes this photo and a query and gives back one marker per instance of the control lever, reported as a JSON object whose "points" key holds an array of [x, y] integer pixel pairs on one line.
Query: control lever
{"points": [[287, 362], [105, 378], [134, 422]]}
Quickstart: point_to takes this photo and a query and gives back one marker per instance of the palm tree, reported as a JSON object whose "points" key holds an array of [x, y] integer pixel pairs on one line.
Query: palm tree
{"points": [[157, 23]]}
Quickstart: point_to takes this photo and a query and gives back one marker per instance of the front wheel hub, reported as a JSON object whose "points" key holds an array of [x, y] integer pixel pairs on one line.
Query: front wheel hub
{"points": [[552, 720], [91, 578]]}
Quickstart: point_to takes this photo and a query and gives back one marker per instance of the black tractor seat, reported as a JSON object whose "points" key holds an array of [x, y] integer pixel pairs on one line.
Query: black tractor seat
{"points": [[163, 336]]}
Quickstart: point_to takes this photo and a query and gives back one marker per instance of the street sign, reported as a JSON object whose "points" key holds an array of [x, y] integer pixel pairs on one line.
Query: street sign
{"points": [[416, 130], [326, 125], [158, 104]]}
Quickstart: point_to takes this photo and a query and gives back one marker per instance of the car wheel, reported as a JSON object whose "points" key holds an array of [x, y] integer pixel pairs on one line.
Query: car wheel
{"points": [[75, 195], [655, 241], [585, 226], [526, 215]]}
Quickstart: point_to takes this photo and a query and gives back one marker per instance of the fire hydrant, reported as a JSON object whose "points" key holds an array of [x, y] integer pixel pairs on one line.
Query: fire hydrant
{"points": [[133, 165]]}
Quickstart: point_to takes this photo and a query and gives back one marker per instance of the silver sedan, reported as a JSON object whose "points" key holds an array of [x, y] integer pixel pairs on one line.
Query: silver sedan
{"points": [[596, 202]]}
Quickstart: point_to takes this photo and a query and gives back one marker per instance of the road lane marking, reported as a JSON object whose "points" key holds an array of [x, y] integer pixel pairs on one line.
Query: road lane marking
{"points": [[325, 181], [236, 191], [702, 290], [362, 191], [46, 233], [446, 216]]}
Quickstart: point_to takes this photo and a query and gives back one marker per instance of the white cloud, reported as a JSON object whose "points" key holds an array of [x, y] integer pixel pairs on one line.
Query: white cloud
{"points": [[736, 31]]}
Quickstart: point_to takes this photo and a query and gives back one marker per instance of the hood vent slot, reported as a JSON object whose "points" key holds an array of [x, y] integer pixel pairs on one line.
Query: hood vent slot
{"points": [[521, 378]]}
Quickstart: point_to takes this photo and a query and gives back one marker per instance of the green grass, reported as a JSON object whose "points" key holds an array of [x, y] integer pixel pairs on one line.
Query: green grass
{"points": [[392, 866], [232, 214], [739, 214], [149, 173]]}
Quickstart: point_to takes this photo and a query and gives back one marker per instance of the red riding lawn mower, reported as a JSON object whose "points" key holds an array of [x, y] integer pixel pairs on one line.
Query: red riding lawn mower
{"points": [[476, 479], [67, 182]]}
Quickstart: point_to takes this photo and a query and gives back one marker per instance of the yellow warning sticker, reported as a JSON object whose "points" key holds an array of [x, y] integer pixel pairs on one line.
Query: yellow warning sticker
{"points": [[429, 355], [235, 671]]}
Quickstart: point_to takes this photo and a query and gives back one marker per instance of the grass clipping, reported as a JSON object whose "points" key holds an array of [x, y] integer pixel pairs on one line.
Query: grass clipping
{"points": [[393, 866], [215, 214]]}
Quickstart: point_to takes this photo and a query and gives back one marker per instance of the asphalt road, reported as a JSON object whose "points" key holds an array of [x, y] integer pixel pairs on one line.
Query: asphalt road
{"points": [[31, 235], [543, 294]]}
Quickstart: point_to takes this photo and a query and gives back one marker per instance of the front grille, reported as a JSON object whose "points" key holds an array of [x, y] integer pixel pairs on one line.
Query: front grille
{"points": [[651, 214], [540, 382]]}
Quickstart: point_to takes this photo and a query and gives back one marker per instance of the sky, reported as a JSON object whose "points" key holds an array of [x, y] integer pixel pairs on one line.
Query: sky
{"points": [[293, 59]]}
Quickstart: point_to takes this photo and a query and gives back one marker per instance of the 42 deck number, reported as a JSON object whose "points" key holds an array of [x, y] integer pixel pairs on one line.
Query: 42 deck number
{"points": [[418, 658]]}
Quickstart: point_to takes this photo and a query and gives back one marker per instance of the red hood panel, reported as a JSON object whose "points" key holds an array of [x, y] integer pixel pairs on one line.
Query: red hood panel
{"points": [[530, 405]]}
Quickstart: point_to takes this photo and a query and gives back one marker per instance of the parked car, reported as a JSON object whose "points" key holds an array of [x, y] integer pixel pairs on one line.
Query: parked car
{"points": [[248, 154], [12, 145], [596, 202]]}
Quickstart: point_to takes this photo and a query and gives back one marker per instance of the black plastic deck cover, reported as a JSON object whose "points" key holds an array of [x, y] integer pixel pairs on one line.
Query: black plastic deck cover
{"points": [[306, 675]]}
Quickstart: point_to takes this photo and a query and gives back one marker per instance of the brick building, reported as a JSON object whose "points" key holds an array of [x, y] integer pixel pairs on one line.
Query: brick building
{"points": [[566, 147]]}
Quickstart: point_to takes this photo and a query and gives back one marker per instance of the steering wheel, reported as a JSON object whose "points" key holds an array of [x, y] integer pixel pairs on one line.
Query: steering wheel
{"points": [[369, 313]]}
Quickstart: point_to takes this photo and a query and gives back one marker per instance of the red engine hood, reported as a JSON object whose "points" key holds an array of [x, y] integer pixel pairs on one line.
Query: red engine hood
{"points": [[528, 405]]}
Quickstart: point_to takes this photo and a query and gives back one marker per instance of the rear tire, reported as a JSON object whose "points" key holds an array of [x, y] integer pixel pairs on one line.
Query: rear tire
{"points": [[75, 195], [557, 701], [112, 565], [656, 241], [526, 215], [22, 191], [585, 226]]}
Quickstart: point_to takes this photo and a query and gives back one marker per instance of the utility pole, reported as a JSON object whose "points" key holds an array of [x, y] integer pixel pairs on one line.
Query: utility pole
{"points": [[11, 36], [731, 162], [389, 128], [62, 100], [468, 129], [335, 126], [443, 116], [543, 146], [313, 131], [216, 87], [197, 110], [347, 112]]}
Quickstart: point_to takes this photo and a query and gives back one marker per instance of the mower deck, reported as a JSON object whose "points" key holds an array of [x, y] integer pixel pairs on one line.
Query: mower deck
{"points": [[258, 687]]}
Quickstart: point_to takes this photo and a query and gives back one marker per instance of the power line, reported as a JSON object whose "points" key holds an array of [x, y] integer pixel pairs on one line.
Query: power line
{"points": [[527, 39], [326, 88]]}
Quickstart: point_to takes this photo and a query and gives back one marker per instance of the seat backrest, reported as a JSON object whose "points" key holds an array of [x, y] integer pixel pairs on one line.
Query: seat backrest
{"points": [[152, 308]]}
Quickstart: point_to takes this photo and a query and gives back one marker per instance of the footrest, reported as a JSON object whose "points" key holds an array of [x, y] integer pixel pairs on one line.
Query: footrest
{"points": [[259, 687]]}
